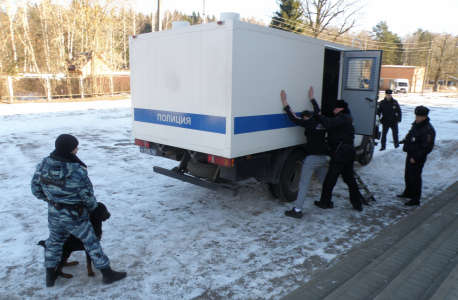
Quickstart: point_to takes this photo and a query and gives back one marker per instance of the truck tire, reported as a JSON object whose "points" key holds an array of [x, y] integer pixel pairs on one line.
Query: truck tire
{"points": [[290, 176], [368, 150], [269, 188], [201, 170]]}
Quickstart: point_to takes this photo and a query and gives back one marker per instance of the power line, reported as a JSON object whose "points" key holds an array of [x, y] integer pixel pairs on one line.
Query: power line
{"points": [[304, 26], [338, 39]]}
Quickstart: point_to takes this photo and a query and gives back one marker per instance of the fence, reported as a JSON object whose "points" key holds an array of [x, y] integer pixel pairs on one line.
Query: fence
{"points": [[49, 87]]}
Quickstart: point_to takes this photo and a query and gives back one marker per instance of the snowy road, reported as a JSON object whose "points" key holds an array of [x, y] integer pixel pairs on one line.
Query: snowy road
{"points": [[178, 241]]}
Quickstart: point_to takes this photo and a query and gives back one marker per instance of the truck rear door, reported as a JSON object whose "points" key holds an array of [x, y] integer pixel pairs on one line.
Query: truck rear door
{"points": [[360, 84]]}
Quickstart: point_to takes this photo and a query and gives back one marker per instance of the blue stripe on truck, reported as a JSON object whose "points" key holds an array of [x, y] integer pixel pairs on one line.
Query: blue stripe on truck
{"points": [[261, 123], [183, 120]]}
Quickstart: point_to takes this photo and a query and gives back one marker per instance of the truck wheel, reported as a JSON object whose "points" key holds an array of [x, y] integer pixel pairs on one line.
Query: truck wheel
{"points": [[368, 151], [290, 176], [202, 170], [269, 188]]}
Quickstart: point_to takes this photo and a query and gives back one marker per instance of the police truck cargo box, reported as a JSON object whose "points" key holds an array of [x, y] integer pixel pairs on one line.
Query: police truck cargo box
{"points": [[208, 96]]}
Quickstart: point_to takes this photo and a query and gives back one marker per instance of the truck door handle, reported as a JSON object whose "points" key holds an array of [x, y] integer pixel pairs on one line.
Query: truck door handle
{"points": [[369, 99]]}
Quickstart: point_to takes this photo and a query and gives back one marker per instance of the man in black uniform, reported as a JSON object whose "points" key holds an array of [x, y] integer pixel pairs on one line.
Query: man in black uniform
{"points": [[418, 143], [341, 134], [391, 115]]}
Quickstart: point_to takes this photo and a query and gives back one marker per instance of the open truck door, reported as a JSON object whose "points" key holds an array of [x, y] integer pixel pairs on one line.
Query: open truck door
{"points": [[360, 84]]}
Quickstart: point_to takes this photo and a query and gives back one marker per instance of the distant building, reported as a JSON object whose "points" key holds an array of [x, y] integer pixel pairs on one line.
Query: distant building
{"points": [[414, 74], [88, 64]]}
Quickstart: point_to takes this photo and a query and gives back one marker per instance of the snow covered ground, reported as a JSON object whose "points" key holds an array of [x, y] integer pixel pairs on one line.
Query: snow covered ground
{"points": [[179, 241]]}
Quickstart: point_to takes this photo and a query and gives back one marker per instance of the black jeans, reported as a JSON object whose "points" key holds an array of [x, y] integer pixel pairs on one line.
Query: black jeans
{"points": [[344, 168], [394, 131], [412, 177]]}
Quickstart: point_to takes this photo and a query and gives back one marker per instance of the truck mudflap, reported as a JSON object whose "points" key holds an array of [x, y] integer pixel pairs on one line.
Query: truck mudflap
{"points": [[196, 181]]}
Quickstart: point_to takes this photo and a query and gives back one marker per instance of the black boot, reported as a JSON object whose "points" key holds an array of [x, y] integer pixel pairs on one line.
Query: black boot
{"points": [[412, 203], [51, 276], [322, 205], [402, 196], [110, 276]]}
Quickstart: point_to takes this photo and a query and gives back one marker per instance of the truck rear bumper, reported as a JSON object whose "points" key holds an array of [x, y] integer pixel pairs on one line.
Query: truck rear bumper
{"points": [[196, 181]]}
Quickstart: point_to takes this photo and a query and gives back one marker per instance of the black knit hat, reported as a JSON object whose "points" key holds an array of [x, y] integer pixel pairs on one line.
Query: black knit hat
{"points": [[340, 104], [66, 143], [389, 92], [421, 111]]}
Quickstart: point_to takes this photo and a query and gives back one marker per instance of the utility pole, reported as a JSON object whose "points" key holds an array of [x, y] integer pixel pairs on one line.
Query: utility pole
{"points": [[456, 59], [159, 19], [203, 14], [426, 69]]}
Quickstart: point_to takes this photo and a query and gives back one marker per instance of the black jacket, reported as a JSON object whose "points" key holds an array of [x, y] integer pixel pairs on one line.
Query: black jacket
{"points": [[389, 111], [341, 134], [419, 142], [314, 132]]}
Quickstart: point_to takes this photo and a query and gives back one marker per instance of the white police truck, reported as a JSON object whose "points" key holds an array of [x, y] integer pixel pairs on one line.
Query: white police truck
{"points": [[208, 96]]}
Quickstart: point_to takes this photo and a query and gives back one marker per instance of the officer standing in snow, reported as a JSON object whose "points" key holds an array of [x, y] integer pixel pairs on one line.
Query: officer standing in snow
{"points": [[418, 143], [61, 179], [391, 115]]}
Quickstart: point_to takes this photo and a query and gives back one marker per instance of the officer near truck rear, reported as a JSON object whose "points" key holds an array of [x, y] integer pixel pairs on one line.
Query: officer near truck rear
{"points": [[62, 180], [418, 143], [391, 115], [341, 135]]}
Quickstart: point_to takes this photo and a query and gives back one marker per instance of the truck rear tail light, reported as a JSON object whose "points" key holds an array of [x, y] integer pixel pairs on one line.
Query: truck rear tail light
{"points": [[141, 143], [226, 162]]}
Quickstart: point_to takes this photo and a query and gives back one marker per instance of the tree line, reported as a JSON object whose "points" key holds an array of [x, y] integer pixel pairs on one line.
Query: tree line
{"points": [[43, 36], [334, 20]]}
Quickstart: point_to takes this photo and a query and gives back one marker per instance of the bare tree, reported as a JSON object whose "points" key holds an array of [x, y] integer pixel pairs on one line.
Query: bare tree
{"points": [[443, 57], [340, 15], [26, 41], [253, 20], [10, 14]]}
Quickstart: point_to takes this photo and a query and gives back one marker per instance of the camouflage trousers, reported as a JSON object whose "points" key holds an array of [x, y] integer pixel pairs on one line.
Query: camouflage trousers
{"points": [[65, 222]]}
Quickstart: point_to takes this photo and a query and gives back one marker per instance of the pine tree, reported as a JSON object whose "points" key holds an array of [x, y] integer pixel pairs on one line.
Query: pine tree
{"points": [[194, 18], [289, 17], [389, 42]]}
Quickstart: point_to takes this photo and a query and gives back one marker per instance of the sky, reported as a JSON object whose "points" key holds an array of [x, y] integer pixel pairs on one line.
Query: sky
{"points": [[179, 241], [402, 16]]}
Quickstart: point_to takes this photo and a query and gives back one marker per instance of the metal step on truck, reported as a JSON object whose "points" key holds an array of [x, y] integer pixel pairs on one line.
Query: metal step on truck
{"points": [[208, 96]]}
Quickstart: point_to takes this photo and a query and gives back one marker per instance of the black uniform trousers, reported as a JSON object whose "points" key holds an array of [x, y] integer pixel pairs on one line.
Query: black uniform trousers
{"points": [[412, 177], [344, 168], [394, 131]]}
